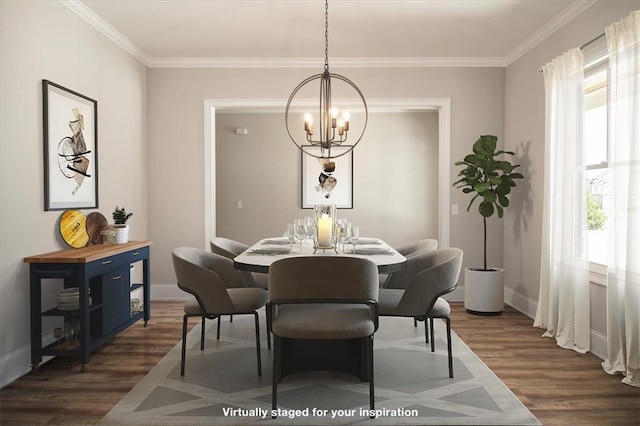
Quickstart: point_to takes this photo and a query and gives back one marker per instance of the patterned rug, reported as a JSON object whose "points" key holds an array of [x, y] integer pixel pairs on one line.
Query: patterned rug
{"points": [[221, 386]]}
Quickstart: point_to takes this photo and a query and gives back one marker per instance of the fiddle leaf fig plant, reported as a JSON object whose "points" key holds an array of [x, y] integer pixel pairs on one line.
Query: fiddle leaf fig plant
{"points": [[489, 179]]}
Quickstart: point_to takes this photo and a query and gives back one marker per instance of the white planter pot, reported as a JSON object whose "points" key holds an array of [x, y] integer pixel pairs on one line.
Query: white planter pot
{"points": [[122, 233], [484, 291]]}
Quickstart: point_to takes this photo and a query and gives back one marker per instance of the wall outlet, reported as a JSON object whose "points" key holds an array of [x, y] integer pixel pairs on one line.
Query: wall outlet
{"points": [[454, 210], [239, 204]]}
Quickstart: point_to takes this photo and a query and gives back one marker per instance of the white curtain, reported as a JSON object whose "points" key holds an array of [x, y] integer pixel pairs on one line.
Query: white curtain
{"points": [[563, 303], [623, 219]]}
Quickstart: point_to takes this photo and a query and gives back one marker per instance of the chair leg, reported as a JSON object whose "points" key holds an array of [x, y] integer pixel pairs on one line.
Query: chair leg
{"points": [[426, 330], [218, 336], [372, 398], [448, 321], [202, 334], [268, 334], [257, 320], [184, 343], [276, 375], [433, 336], [231, 318]]}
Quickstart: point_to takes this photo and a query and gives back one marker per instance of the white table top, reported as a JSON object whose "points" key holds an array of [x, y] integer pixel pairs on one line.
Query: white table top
{"points": [[261, 255]]}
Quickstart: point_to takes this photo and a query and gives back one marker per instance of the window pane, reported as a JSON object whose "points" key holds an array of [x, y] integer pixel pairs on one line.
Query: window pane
{"points": [[597, 199], [595, 126]]}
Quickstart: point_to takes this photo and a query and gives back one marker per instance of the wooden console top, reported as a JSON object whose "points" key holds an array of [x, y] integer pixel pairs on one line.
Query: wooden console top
{"points": [[86, 254]]}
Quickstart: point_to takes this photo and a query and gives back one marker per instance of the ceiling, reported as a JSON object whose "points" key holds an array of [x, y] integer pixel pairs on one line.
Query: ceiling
{"points": [[262, 33]]}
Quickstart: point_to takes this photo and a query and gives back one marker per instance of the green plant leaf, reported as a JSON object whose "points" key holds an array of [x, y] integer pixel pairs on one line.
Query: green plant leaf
{"points": [[500, 211], [486, 209], [481, 187]]}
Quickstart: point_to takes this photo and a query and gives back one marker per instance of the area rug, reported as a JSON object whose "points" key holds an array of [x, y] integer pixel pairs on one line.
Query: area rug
{"points": [[412, 385]]}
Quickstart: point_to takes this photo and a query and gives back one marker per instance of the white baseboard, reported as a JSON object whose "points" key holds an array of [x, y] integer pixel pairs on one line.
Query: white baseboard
{"points": [[18, 363], [598, 345], [167, 293]]}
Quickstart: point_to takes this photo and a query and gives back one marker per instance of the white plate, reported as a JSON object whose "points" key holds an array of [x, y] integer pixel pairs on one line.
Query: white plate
{"points": [[370, 250], [69, 291], [367, 241], [278, 241], [271, 250]]}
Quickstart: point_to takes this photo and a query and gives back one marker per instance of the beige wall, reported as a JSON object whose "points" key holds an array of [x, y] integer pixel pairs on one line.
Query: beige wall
{"points": [[176, 134], [395, 177], [46, 40], [524, 134]]}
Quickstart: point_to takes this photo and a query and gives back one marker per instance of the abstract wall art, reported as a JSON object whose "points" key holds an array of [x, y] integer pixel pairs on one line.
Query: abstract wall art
{"points": [[70, 124], [327, 181]]}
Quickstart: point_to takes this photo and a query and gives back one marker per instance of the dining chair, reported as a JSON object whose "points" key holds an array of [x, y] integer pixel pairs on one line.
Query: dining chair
{"points": [[428, 275], [230, 249], [327, 298], [217, 289], [409, 250]]}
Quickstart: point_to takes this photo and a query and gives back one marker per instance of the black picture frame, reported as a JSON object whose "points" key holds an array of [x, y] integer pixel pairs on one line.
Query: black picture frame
{"points": [[70, 137], [342, 194]]}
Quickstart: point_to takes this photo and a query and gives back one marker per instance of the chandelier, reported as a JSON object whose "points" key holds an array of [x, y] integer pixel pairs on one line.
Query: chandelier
{"points": [[333, 125]]}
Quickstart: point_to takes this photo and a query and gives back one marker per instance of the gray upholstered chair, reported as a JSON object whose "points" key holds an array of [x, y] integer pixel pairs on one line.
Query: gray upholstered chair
{"points": [[414, 247], [428, 276], [230, 249], [409, 250], [329, 298], [218, 290]]}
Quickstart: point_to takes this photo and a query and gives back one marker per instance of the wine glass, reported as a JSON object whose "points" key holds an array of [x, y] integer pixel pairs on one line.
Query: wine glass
{"points": [[355, 235], [58, 333], [291, 235], [75, 330], [344, 234], [68, 333], [300, 231]]}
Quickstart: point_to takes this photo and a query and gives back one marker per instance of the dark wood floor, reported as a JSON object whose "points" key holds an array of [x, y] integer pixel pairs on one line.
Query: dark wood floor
{"points": [[560, 387]]}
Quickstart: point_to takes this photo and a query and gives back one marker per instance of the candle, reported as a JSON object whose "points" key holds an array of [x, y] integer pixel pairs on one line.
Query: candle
{"points": [[325, 224]]}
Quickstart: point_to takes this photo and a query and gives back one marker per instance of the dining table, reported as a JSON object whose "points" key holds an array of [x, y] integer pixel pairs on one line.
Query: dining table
{"points": [[300, 355], [262, 254]]}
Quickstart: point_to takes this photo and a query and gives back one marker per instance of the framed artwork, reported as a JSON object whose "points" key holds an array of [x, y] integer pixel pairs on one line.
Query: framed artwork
{"points": [[70, 124], [327, 181]]}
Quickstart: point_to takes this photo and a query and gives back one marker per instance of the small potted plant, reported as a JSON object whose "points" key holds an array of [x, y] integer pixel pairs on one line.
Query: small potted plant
{"points": [[490, 180], [120, 218]]}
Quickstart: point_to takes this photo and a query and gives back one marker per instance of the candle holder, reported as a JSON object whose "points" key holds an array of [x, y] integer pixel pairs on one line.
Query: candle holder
{"points": [[325, 229]]}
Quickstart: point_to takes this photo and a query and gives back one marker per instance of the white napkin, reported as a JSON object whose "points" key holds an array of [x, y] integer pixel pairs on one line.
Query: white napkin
{"points": [[270, 250]]}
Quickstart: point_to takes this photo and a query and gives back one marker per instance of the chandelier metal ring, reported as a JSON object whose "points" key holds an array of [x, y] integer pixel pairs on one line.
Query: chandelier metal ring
{"points": [[333, 130], [309, 80]]}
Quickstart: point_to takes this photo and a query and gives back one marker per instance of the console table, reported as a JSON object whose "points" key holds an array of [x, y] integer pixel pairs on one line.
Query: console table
{"points": [[101, 272]]}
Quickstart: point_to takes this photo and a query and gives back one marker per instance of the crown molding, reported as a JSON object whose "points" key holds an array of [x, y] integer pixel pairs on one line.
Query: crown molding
{"points": [[317, 62], [551, 27], [114, 35], [111, 33]]}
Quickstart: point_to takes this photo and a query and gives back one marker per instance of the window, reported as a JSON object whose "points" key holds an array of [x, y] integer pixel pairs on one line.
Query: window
{"points": [[596, 150]]}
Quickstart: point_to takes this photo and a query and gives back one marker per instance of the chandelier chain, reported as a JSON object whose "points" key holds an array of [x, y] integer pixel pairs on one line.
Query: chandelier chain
{"points": [[326, 35]]}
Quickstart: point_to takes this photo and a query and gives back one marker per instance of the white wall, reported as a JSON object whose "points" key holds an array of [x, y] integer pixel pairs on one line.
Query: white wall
{"points": [[395, 177], [45, 40], [524, 134], [176, 134]]}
